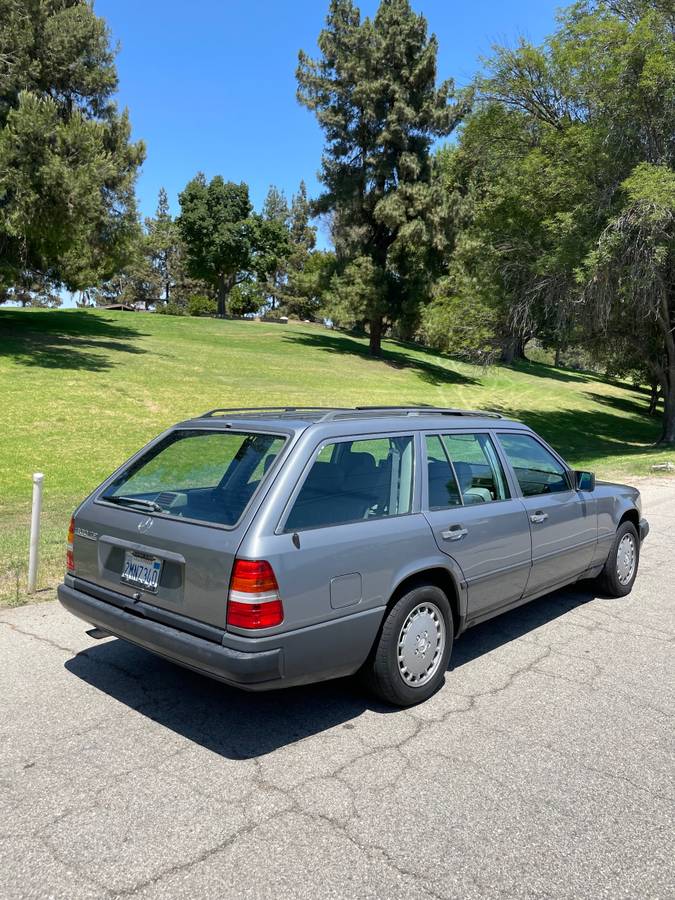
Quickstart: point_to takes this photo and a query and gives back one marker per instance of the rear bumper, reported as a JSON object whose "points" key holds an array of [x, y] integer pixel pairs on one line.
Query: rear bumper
{"points": [[644, 529], [208, 657]]}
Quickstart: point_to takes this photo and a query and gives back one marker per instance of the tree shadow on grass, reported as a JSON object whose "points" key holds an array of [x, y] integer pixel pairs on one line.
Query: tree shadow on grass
{"points": [[637, 405], [589, 434], [427, 370], [239, 725], [65, 340], [544, 370]]}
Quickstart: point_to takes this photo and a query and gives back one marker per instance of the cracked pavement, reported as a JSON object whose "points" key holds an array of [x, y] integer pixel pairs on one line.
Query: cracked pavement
{"points": [[544, 767]]}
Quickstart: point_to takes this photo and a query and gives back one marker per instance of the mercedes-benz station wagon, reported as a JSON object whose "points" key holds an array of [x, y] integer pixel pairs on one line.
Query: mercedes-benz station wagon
{"points": [[275, 547]]}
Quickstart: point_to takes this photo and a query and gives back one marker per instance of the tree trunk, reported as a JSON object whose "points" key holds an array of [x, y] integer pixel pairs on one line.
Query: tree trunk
{"points": [[375, 329], [223, 291], [654, 398], [668, 427], [558, 356], [513, 348]]}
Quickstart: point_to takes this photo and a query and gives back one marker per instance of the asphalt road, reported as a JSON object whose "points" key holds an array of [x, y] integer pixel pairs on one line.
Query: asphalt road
{"points": [[544, 768]]}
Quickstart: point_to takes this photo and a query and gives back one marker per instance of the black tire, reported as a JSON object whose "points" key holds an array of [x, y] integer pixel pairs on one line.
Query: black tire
{"points": [[384, 675], [609, 580]]}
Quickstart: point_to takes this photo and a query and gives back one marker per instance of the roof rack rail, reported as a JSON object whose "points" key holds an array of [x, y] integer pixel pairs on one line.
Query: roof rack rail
{"points": [[260, 410], [408, 411]]}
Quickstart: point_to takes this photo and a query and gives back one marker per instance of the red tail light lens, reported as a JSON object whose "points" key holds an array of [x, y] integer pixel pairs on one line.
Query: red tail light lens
{"points": [[70, 559], [254, 601]]}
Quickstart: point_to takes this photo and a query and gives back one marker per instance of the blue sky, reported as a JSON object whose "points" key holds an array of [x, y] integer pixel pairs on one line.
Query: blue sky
{"points": [[211, 85]]}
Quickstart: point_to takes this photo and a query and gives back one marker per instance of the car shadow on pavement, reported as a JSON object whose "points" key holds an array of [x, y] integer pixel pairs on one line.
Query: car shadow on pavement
{"points": [[241, 725]]}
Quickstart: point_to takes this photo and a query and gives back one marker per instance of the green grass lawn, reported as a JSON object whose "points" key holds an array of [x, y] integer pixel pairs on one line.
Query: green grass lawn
{"points": [[82, 390]]}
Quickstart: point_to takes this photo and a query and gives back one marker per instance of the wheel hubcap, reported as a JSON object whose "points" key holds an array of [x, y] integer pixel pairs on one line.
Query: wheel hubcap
{"points": [[625, 559], [421, 642]]}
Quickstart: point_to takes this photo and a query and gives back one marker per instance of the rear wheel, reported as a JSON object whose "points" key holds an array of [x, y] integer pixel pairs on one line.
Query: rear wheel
{"points": [[414, 648], [618, 576]]}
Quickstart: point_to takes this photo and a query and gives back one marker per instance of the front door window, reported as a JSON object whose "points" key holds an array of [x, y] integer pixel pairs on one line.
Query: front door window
{"points": [[537, 470]]}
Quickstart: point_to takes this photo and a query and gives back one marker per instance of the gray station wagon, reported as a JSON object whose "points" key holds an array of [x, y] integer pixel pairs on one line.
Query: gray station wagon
{"points": [[276, 547]]}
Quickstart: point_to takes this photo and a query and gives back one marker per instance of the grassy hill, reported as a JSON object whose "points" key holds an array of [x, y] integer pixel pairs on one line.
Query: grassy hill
{"points": [[82, 390]]}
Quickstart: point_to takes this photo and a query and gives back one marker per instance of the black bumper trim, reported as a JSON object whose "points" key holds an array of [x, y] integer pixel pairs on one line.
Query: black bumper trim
{"points": [[223, 663], [644, 529], [148, 611]]}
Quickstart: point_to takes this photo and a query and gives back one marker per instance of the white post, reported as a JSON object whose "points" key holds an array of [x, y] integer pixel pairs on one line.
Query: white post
{"points": [[34, 555]]}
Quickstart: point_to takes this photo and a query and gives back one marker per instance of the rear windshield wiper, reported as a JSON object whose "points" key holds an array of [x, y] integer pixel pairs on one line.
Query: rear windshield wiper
{"points": [[134, 501]]}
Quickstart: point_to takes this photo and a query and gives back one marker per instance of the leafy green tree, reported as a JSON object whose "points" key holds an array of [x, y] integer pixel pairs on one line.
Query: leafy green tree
{"points": [[629, 281], [556, 212], [524, 200], [374, 93], [67, 165], [225, 242]]}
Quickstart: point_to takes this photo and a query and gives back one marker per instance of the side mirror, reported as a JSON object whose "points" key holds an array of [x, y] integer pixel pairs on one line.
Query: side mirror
{"points": [[584, 481]]}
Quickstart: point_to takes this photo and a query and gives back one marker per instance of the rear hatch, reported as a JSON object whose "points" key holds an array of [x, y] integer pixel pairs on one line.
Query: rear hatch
{"points": [[167, 527]]}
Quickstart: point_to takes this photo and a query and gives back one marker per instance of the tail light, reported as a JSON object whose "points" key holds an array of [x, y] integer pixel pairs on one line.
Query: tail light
{"points": [[253, 600], [70, 559]]}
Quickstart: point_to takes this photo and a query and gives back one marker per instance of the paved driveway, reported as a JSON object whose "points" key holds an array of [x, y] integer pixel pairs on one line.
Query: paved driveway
{"points": [[544, 768]]}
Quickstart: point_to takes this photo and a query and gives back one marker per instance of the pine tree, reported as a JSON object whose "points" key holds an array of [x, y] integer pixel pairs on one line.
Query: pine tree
{"points": [[163, 247], [374, 93], [275, 210], [67, 165]]}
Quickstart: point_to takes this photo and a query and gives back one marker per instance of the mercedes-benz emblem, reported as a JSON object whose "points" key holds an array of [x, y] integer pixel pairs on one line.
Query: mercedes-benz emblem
{"points": [[145, 525]]}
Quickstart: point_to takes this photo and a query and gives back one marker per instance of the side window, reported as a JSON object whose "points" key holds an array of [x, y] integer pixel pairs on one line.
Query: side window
{"points": [[537, 470], [354, 480], [477, 467], [443, 489]]}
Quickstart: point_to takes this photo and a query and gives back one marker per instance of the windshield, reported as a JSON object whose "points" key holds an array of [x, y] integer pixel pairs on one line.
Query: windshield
{"points": [[205, 475]]}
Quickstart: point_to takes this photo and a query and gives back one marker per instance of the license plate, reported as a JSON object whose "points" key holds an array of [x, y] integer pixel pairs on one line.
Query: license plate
{"points": [[141, 571]]}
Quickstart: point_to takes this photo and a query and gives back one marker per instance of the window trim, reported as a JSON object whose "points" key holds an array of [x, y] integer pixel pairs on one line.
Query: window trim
{"points": [[343, 439], [542, 443], [265, 481], [460, 493], [490, 434]]}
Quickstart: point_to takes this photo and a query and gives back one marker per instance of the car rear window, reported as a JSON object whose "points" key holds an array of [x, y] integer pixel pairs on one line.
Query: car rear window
{"points": [[205, 475]]}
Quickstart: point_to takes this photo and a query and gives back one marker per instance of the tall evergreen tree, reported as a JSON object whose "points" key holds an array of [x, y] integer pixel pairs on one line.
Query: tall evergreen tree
{"points": [[67, 166], [276, 211], [163, 243], [374, 93]]}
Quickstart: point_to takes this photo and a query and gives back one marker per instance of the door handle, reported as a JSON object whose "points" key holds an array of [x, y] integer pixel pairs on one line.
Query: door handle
{"points": [[538, 517], [454, 533]]}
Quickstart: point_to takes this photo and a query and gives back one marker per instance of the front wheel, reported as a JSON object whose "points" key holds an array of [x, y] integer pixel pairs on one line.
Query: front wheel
{"points": [[618, 576], [414, 648]]}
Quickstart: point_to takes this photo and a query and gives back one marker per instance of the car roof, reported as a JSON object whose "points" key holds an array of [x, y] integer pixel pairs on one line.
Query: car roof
{"points": [[348, 420]]}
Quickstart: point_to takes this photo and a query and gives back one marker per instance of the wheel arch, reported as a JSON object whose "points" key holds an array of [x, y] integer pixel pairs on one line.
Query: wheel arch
{"points": [[632, 516], [440, 576]]}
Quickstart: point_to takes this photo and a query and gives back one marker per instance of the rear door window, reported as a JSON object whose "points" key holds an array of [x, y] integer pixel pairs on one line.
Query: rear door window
{"points": [[463, 469], [443, 487], [205, 475], [355, 480], [537, 470]]}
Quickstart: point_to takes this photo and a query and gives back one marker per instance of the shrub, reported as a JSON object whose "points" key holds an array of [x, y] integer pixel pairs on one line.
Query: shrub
{"points": [[199, 305], [171, 309]]}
